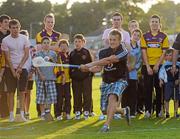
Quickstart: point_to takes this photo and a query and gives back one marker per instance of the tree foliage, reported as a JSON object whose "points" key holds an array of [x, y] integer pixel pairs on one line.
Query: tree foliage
{"points": [[87, 17]]}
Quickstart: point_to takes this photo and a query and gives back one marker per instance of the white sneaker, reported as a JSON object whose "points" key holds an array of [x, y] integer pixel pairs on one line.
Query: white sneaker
{"points": [[59, 118], [102, 117], [147, 115], [133, 116], [117, 116], [11, 118], [42, 117], [161, 114], [92, 114], [68, 117], [22, 116], [86, 115], [77, 115]]}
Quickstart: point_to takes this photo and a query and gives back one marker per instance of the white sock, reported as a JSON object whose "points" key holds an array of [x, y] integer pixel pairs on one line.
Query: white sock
{"points": [[11, 113], [43, 113], [124, 111], [22, 113]]}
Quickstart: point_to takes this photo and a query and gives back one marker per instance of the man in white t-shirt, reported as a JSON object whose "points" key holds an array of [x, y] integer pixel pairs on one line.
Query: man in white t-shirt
{"points": [[16, 49], [117, 19]]}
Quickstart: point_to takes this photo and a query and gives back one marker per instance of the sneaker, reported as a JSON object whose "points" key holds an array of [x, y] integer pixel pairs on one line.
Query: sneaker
{"points": [[105, 128], [27, 116], [92, 114], [160, 114], [22, 116], [127, 115], [133, 116], [177, 115], [68, 117], [167, 115], [102, 117], [117, 116], [139, 111], [86, 115], [11, 118], [43, 117], [147, 115], [77, 115], [59, 118]]}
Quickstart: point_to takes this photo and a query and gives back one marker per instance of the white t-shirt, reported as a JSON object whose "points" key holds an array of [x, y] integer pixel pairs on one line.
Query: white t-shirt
{"points": [[125, 37], [16, 48]]}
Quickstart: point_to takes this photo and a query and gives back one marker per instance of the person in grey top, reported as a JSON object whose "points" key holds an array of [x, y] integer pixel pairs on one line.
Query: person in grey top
{"points": [[46, 78]]}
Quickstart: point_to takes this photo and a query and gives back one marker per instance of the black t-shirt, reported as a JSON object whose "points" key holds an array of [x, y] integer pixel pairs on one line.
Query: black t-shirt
{"points": [[176, 45], [2, 36], [115, 71], [77, 58]]}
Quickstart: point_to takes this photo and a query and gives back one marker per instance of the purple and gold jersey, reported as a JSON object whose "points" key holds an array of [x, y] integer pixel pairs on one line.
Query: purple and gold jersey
{"points": [[55, 36], [154, 44]]}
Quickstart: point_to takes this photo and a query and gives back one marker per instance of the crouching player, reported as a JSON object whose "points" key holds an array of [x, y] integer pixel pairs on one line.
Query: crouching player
{"points": [[113, 62]]}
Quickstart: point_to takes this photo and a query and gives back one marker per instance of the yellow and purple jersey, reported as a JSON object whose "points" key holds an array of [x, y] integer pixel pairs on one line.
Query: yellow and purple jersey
{"points": [[154, 44], [2, 60], [62, 59], [55, 36]]}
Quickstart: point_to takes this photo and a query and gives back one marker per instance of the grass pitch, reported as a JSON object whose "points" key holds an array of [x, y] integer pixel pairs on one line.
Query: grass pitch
{"points": [[154, 128]]}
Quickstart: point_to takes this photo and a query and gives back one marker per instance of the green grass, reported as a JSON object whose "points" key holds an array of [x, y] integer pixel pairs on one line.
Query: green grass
{"points": [[154, 128]]}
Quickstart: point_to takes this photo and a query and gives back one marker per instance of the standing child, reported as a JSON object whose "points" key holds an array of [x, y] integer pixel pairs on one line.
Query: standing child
{"points": [[81, 82], [63, 83], [171, 83], [46, 78], [130, 97]]}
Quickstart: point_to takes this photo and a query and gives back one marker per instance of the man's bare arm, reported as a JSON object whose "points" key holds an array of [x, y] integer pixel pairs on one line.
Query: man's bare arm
{"points": [[145, 59], [9, 63]]}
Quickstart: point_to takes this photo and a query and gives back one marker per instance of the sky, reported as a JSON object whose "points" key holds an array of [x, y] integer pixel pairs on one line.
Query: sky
{"points": [[146, 6]]}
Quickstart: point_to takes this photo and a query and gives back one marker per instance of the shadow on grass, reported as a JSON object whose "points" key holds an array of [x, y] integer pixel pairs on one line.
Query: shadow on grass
{"points": [[32, 129]]}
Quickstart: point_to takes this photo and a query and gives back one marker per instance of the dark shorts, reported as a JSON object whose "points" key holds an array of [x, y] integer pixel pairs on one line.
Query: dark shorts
{"points": [[171, 91], [12, 82], [2, 84], [30, 85]]}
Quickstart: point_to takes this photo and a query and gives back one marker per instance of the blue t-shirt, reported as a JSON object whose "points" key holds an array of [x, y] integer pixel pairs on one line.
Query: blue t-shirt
{"points": [[135, 52], [48, 72]]}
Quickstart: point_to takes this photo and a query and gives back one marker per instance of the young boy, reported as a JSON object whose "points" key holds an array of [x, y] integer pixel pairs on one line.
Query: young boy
{"points": [[81, 81], [113, 61], [46, 78], [132, 25], [171, 83], [63, 83], [130, 97]]}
